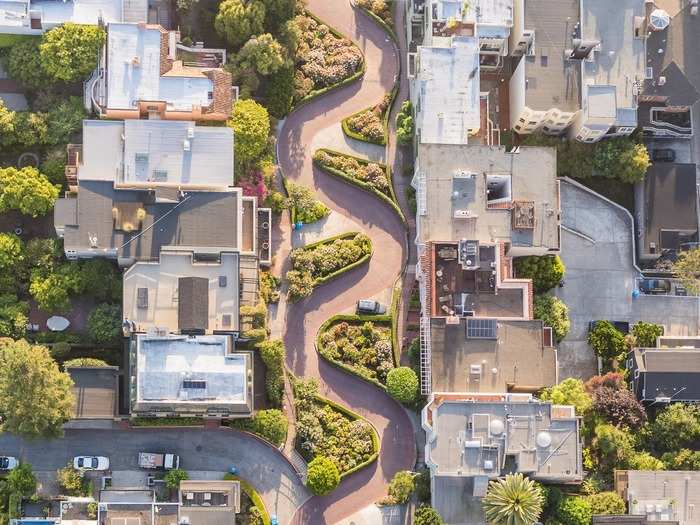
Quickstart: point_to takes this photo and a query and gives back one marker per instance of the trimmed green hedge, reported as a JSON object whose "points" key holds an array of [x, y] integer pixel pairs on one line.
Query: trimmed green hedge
{"points": [[166, 422], [252, 494], [385, 121], [337, 273], [382, 23], [394, 312], [392, 201], [379, 319], [292, 210]]}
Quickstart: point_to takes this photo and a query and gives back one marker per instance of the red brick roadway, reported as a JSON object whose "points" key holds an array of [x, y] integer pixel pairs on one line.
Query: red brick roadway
{"points": [[389, 239]]}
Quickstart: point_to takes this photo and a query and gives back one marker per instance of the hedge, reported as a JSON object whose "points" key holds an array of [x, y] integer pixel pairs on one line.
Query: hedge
{"points": [[382, 23], [166, 422], [394, 312], [252, 494], [8, 40], [392, 201], [385, 121], [382, 319], [292, 210], [337, 273]]}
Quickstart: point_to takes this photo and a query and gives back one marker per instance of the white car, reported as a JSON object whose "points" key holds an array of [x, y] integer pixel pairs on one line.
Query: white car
{"points": [[91, 463], [8, 463]]}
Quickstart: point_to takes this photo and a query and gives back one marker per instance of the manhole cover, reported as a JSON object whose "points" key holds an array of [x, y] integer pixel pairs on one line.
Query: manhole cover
{"points": [[199, 448]]}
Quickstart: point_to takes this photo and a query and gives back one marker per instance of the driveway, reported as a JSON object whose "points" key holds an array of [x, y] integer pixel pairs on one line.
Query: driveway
{"points": [[199, 450], [600, 276]]}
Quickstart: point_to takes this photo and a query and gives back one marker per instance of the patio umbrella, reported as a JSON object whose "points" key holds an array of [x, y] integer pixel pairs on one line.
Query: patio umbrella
{"points": [[659, 20]]}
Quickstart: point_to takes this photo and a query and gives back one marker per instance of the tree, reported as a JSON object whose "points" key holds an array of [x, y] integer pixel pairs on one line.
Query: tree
{"points": [[303, 201], [607, 341], [22, 480], [553, 313], [426, 515], [13, 316], [546, 271], [104, 324], [38, 405], [51, 290], [277, 13], [273, 354], [7, 125], [85, 362], [64, 119], [606, 503], [42, 254], [70, 480], [251, 127], [571, 391], [574, 511], [687, 269], [26, 190], [54, 166], [31, 129], [633, 163], [238, 20], [24, 64], [676, 426], [322, 476], [404, 124], [615, 402], [69, 52], [262, 53], [644, 461], [99, 279], [514, 500], [11, 252], [613, 446], [645, 334], [402, 384], [271, 424], [279, 92], [684, 459], [174, 477], [401, 486], [620, 158]]}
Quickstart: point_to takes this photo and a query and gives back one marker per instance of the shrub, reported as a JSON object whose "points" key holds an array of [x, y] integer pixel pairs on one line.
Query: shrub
{"points": [[251, 127], [84, 362], [606, 503], [60, 350], [553, 313], [269, 287], [613, 447], [619, 406], [644, 461], [402, 384], [104, 324], [271, 424], [621, 158], [21, 480], [173, 478], [273, 355], [70, 480], [401, 486], [322, 476], [54, 166], [404, 124], [571, 391], [684, 459], [24, 64], [676, 426], [27, 191], [11, 252], [69, 52], [13, 316], [279, 93], [307, 208], [515, 500], [546, 271], [645, 334], [575, 511], [426, 515], [607, 341], [238, 20], [262, 54], [370, 173], [687, 269]]}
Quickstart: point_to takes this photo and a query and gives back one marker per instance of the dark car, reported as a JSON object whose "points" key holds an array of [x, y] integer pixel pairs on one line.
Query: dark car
{"points": [[655, 286], [663, 155], [621, 326]]}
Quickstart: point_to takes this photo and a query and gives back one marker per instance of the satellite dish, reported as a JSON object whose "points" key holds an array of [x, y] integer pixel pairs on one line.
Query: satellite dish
{"points": [[496, 427], [543, 439]]}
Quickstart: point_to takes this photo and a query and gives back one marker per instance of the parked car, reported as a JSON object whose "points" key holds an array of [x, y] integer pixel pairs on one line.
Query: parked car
{"points": [[622, 326], [655, 286], [91, 463], [8, 463], [663, 155], [368, 306], [156, 461]]}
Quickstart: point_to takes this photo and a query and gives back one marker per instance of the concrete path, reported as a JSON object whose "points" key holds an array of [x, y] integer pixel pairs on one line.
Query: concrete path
{"points": [[302, 130], [333, 138]]}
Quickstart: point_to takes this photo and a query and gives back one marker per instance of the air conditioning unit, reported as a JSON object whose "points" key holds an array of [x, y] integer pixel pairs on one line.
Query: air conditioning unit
{"points": [[475, 370]]}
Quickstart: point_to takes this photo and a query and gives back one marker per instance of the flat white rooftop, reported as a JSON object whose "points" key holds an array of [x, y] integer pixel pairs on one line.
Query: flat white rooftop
{"points": [[14, 14], [487, 12], [134, 72], [448, 80], [181, 369]]}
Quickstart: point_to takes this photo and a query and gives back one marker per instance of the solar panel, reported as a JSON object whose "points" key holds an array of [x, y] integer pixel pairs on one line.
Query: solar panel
{"points": [[481, 328], [194, 383]]}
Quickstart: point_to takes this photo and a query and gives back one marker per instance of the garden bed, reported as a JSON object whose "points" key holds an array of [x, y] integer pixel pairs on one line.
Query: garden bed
{"points": [[360, 345], [166, 422], [371, 124], [302, 203], [372, 177], [322, 261], [380, 12]]}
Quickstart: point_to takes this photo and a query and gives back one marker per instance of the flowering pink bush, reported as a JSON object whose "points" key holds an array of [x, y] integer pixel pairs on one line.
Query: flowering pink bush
{"points": [[254, 186]]}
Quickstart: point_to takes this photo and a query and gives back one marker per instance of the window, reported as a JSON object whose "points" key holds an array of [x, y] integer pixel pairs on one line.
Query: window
{"points": [[194, 383], [517, 127]]}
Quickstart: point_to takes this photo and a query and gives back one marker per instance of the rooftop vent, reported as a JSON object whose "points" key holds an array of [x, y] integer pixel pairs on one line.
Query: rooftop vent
{"points": [[198, 384]]}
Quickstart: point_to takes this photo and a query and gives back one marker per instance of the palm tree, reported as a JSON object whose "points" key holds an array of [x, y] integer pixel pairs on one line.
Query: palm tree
{"points": [[515, 500]]}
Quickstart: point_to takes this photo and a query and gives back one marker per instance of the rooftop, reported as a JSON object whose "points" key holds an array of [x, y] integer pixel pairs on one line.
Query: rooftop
{"points": [[14, 14], [209, 502], [448, 83], [149, 153], [670, 202], [190, 371], [550, 80], [618, 64], [496, 13], [136, 513], [484, 193], [156, 293], [664, 495], [512, 357], [96, 392]]}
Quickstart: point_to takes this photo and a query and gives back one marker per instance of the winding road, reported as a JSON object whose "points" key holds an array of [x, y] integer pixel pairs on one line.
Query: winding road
{"points": [[303, 319]]}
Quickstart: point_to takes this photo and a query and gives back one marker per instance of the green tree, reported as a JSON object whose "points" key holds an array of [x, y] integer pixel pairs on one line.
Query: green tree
{"points": [[21, 480], [238, 20], [105, 324], [52, 290], [279, 92], [571, 391], [402, 384], [70, 480], [401, 486], [24, 64], [263, 54], [99, 279], [64, 119], [277, 12], [251, 127], [426, 515], [607, 503], [42, 254], [302, 200], [54, 166], [574, 511], [607, 341], [31, 129], [11, 252], [69, 52], [684, 459], [404, 124], [39, 404], [174, 477], [553, 313], [613, 446], [644, 461], [13, 316], [271, 424], [7, 125], [85, 362], [515, 500], [26, 190], [546, 271], [322, 476], [273, 354], [645, 334], [676, 426], [687, 268]]}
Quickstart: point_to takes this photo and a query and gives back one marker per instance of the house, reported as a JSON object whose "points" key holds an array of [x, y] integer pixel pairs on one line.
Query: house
{"points": [[668, 213], [146, 72], [209, 502], [473, 438], [95, 392], [663, 496], [668, 373], [34, 17]]}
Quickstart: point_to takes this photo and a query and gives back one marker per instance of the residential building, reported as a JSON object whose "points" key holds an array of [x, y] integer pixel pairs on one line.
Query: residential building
{"points": [[612, 54], [472, 438], [545, 85], [625, 519], [95, 392], [668, 373], [663, 496], [145, 72], [209, 502], [34, 17]]}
